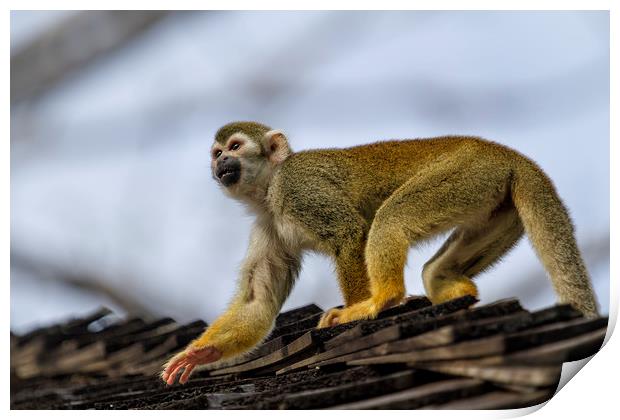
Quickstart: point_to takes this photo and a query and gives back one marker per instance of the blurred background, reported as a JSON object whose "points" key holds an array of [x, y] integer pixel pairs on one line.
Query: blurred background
{"points": [[113, 114]]}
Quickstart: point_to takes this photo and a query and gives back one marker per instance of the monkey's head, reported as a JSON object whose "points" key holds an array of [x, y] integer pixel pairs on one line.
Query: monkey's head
{"points": [[244, 157]]}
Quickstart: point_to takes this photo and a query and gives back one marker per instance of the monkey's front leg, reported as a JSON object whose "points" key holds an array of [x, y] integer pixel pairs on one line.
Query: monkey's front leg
{"points": [[353, 280], [267, 277], [238, 330]]}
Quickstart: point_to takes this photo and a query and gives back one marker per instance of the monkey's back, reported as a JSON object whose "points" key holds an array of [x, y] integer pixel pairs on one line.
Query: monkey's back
{"points": [[368, 174]]}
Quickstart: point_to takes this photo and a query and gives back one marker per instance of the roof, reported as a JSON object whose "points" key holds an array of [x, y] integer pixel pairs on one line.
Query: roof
{"points": [[416, 355]]}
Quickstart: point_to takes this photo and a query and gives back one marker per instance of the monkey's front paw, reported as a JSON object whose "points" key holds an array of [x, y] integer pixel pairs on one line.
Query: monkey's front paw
{"points": [[330, 318], [188, 359]]}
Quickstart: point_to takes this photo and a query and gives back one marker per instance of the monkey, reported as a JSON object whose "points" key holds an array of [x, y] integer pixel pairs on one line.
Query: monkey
{"points": [[365, 206]]}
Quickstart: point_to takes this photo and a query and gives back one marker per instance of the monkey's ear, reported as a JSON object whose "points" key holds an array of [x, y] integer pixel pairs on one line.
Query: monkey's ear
{"points": [[276, 145]]}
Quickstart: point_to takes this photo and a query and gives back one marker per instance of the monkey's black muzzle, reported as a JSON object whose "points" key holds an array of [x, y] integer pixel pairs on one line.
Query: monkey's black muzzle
{"points": [[228, 171]]}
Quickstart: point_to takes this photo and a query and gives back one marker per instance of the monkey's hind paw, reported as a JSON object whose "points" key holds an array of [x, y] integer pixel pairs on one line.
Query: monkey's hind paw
{"points": [[330, 318], [452, 289], [362, 310]]}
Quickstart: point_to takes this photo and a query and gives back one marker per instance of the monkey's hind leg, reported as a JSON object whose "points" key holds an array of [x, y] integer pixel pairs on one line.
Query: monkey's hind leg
{"points": [[431, 202], [469, 250]]}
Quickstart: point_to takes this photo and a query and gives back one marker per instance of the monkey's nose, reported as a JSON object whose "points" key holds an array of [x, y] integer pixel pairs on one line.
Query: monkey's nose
{"points": [[224, 158]]}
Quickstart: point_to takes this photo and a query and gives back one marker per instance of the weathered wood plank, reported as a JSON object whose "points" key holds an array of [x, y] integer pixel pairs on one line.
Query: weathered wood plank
{"points": [[307, 323], [340, 394], [568, 350], [495, 309], [503, 307], [152, 334], [465, 330], [263, 350], [433, 393], [496, 400], [542, 376], [411, 303], [466, 350], [387, 334], [553, 332], [302, 344], [489, 346], [294, 315], [72, 327], [556, 313], [369, 327], [345, 344], [274, 388]]}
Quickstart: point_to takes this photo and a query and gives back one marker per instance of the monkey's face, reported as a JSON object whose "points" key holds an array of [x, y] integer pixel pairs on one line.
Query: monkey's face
{"points": [[228, 170], [238, 164]]}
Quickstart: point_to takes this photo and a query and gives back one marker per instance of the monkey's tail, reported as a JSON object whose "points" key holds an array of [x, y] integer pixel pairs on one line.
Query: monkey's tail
{"points": [[550, 230]]}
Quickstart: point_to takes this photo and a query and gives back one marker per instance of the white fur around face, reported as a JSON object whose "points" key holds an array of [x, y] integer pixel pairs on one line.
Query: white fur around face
{"points": [[255, 170], [242, 137]]}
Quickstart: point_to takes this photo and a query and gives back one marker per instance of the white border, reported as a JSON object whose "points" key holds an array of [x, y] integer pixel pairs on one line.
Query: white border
{"points": [[591, 394]]}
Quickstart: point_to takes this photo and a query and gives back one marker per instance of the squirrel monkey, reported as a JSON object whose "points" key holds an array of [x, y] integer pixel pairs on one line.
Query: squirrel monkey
{"points": [[365, 206]]}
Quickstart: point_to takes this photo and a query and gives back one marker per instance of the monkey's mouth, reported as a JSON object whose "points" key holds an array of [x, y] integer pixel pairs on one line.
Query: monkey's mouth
{"points": [[229, 174]]}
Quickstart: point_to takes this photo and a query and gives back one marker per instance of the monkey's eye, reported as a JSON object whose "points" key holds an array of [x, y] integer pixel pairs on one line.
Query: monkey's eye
{"points": [[235, 146], [217, 154]]}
